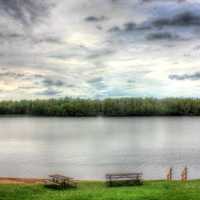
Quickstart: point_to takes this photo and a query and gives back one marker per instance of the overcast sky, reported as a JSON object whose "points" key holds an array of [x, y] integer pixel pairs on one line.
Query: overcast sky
{"points": [[99, 48]]}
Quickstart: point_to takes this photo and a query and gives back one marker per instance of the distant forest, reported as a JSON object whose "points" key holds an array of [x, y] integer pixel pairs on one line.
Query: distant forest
{"points": [[108, 107]]}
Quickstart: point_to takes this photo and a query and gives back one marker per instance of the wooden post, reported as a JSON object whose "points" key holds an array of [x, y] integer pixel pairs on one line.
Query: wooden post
{"points": [[169, 174], [184, 174]]}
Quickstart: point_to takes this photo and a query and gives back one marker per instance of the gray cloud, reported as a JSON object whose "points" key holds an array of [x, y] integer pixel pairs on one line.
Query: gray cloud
{"points": [[193, 77], [97, 83], [130, 26], [49, 92], [46, 39], [127, 27], [37, 79], [95, 19], [182, 19], [100, 54], [162, 36], [95, 80], [131, 81], [51, 86], [176, 19], [52, 82], [26, 12], [26, 87], [10, 37], [114, 29], [114, 1], [8, 74], [13, 36], [150, 1], [171, 25]]}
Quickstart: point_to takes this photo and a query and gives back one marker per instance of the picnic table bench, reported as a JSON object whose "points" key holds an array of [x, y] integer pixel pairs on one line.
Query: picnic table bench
{"points": [[60, 181], [124, 179]]}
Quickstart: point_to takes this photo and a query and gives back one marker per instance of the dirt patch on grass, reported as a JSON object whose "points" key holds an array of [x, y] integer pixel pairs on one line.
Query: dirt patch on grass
{"points": [[6, 180]]}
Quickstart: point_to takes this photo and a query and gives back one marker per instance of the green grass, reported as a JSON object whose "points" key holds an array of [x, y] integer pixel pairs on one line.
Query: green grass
{"points": [[151, 190]]}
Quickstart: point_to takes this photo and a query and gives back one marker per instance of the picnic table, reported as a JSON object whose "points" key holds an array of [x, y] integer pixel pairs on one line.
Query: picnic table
{"points": [[124, 179], [60, 181]]}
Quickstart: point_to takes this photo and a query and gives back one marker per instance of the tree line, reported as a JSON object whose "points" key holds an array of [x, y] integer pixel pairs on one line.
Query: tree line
{"points": [[107, 107]]}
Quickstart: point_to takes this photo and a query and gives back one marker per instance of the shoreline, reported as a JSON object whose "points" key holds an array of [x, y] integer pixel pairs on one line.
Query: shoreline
{"points": [[31, 181]]}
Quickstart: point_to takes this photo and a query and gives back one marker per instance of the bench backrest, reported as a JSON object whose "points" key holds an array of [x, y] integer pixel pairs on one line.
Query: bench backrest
{"points": [[124, 175]]}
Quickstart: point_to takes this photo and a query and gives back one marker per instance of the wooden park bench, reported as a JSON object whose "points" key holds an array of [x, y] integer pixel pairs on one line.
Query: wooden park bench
{"points": [[124, 179], [60, 182]]}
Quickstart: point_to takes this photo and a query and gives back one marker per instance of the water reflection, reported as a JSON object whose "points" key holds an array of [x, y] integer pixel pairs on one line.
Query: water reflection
{"points": [[87, 148]]}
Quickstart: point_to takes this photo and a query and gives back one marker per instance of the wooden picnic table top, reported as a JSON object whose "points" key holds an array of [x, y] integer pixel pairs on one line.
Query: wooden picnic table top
{"points": [[60, 177]]}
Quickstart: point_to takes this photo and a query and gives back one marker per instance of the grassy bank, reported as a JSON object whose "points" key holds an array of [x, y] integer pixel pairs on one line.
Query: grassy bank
{"points": [[151, 190]]}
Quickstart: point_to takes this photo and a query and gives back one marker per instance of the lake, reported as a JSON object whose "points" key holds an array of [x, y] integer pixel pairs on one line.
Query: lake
{"points": [[88, 148]]}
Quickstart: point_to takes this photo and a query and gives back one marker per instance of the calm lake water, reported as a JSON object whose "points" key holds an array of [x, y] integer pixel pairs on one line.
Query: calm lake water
{"points": [[87, 148]]}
